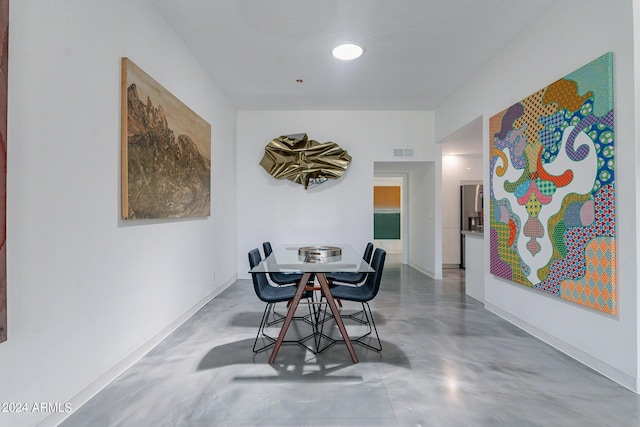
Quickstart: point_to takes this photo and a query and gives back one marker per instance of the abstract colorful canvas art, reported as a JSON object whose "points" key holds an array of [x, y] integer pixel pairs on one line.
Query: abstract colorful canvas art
{"points": [[551, 172]]}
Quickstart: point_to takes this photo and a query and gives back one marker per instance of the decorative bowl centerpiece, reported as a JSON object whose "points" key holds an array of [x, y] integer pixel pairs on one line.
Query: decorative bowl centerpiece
{"points": [[319, 253]]}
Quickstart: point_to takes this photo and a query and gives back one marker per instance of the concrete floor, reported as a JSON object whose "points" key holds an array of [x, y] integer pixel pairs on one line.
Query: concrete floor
{"points": [[445, 362]]}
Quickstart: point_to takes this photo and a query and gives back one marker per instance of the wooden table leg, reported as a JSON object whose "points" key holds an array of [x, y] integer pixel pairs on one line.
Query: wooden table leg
{"points": [[290, 313], [324, 285]]}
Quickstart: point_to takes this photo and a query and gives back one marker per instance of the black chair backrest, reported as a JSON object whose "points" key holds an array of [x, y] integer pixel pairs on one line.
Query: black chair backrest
{"points": [[368, 251], [266, 247], [260, 281], [372, 284]]}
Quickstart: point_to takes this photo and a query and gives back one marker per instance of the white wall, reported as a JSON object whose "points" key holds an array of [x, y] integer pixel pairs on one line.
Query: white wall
{"points": [[474, 266], [570, 34], [337, 211], [425, 253], [87, 291], [636, 69]]}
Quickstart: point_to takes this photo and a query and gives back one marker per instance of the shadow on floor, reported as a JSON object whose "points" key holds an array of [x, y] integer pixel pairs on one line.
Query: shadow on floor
{"points": [[251, 319], [239, 352]]}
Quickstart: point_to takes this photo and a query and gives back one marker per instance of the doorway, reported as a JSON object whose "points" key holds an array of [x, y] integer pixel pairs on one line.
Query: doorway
{"points": [[419, 219], [462, 164], [389, 213]]}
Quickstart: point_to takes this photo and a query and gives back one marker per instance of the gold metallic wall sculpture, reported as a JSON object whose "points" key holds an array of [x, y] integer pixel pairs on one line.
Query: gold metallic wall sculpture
{"points": [[303, 160]]}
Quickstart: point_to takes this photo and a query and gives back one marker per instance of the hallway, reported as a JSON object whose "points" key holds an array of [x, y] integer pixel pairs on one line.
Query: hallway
{"points": [[445, 362]]}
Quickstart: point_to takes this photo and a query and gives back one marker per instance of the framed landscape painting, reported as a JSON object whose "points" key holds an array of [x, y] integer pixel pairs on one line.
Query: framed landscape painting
{"points": [[552, 221], [166, 152]]}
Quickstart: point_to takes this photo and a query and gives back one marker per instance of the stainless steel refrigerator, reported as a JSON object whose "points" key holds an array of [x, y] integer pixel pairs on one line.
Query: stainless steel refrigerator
{"points": [[471, 214]]}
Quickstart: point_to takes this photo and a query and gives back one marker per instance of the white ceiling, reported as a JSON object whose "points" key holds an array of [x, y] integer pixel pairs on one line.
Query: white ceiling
{"points": [[417, 52]]}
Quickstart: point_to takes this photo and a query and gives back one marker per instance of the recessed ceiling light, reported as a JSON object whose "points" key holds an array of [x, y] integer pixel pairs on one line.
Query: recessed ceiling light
{"points": [[347, 51]]}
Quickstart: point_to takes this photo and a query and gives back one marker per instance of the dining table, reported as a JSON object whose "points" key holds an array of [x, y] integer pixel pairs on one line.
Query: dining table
{"points": [[314, 262]]}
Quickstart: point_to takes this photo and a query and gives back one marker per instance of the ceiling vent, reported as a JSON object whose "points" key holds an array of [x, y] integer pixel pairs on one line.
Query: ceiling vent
{"points": [[403, 152]]}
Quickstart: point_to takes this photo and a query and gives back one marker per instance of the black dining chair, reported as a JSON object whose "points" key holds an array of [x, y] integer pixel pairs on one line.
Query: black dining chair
{"points": [[352, 278], [363, 294], [280, 278], [272, 295]]}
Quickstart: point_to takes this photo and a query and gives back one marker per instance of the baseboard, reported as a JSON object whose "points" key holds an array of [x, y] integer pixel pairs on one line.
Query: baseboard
{"points": [[451, 266], [105, 379], [596, 364], [422, 270]]}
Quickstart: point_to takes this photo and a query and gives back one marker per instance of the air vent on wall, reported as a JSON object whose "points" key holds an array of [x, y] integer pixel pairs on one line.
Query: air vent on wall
{"points": [[403, 152]]}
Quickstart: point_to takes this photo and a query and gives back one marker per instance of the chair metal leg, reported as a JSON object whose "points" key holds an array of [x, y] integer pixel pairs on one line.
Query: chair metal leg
{"points": [[371, 323], [320, 335], [364, 317], [263, 323], [271, 317]]}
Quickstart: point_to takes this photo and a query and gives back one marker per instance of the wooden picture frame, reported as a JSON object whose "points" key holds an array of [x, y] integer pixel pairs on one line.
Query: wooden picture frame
{"points": [[4, 89]]}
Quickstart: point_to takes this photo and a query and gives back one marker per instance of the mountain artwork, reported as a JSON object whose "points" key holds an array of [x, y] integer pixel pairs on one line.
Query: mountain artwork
{"points": [[166, 152]]}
